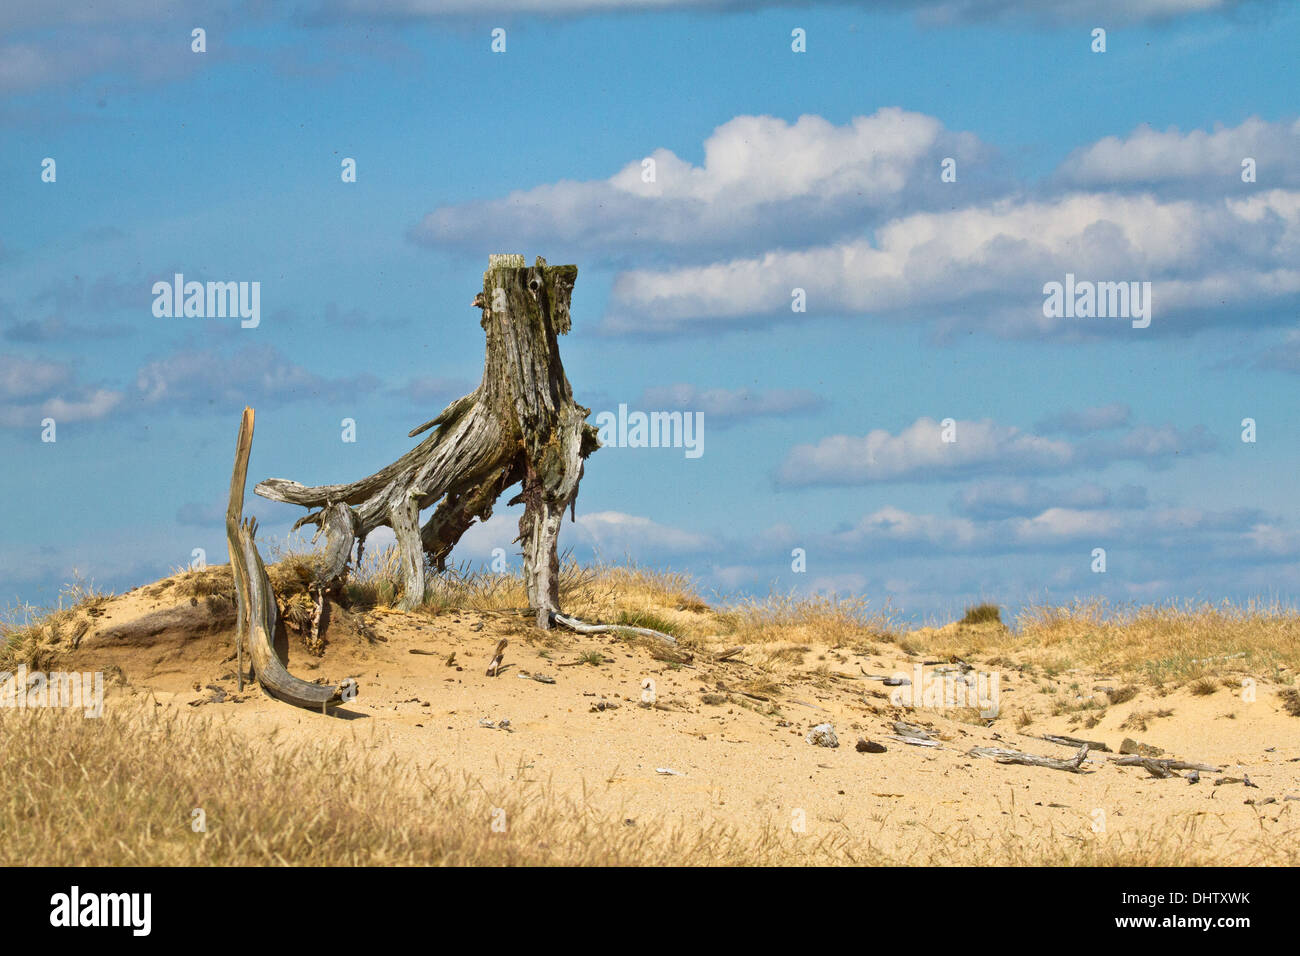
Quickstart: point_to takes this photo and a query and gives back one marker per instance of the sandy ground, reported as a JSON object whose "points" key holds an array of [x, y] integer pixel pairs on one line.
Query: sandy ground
{"points": [[734, 759]]}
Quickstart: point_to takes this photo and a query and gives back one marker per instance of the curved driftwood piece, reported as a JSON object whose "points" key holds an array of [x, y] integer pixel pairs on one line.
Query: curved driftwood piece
{"points": [[581, 627], [258, 614], [520, 426]]}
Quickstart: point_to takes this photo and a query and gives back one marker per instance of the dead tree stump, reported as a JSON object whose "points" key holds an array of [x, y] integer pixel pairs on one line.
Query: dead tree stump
{"points": [[520, 426]]}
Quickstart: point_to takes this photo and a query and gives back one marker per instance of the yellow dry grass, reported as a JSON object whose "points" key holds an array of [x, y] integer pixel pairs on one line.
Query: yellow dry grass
{"points": [[1154, 644], [1176, 643], [122, 789], [144, 787]]}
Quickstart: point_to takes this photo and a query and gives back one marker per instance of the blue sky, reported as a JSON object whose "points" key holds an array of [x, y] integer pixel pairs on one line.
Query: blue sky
{"points": [[774, 170]]}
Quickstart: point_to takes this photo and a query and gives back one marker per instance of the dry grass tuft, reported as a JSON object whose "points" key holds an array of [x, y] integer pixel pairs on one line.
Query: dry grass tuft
{"points": [[1291, 701], [837, 622], [1180, 643], [35, 637], [1122, 695], [982, 614], [1156, 645]]}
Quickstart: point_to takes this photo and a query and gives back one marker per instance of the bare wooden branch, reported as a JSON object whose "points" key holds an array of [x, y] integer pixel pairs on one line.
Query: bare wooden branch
{"points": [[573, 624], [914, 735], [1002, 755], [1074, 742], [915, 741]]}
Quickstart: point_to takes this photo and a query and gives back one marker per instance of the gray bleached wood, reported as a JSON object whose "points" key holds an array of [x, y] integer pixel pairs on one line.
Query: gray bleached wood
{"points": [[520, 426], [255, 599]]}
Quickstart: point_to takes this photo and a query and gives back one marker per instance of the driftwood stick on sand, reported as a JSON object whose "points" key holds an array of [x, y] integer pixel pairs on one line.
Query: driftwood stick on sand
{"points": [[1002, 755], [255, 599], [916, 741], [581, 627], [1074, 742], [1166, 763], [912, 730], [912, 734]]}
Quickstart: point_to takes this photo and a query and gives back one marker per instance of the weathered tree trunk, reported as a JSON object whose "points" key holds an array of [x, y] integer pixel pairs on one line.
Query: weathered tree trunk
{"points": [[258, 614], [520, 425]]}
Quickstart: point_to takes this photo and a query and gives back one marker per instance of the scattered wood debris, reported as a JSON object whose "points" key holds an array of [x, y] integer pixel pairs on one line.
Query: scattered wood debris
{"points": [[540, 678], [914, 735], [1002, 755], [887, 680], [912, 730], [1244, 779], [915, 741], [1075, 742]]}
